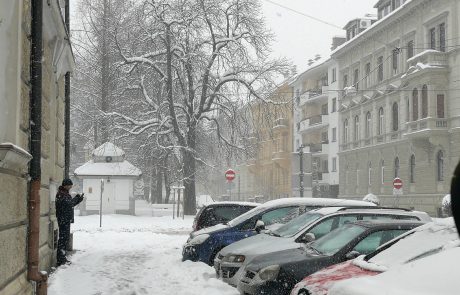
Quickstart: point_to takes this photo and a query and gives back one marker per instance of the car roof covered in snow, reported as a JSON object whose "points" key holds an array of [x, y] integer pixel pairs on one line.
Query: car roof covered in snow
{"points": [[320, 202], [233, 203]]}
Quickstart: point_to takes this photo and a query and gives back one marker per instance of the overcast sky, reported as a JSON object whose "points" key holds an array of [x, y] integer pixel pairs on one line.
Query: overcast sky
{"points": [[300, 38]]}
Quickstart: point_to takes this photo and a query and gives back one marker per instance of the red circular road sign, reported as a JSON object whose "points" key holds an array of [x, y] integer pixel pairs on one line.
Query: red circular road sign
{"points": [[230, 174], [397, 183]]}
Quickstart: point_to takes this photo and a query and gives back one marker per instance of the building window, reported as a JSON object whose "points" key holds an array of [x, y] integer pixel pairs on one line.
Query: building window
{"points": [[395, 60], [440, 166], [415, 104], [381, 121], [410, 49], [334, 164], [368, 75], [407, 110], [380, 69], [396, 172], [368, 124], [324, 109], [382, 171], [334, 75], [412, 169], [334, 134], [433, 38], [334, 105], [424, 101], [345, 80], [345, 131], [356, 128], [440, 105], [324, 137], [442, 37], [395, 117], [369, 173], [356, 79]]}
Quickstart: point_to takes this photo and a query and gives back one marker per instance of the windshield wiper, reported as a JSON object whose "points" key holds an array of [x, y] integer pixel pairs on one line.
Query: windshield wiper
{"points": [[273, 234], [317, 252]]}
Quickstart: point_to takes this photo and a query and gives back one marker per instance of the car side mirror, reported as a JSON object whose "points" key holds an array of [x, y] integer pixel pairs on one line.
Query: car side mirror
{"points": [[260, 225], [308, 238], [352, 255]]}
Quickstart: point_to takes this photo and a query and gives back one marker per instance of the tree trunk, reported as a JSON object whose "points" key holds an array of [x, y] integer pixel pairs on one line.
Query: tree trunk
{"points": [[189, 174], [105, 75], [167, 187], [159, 190]]}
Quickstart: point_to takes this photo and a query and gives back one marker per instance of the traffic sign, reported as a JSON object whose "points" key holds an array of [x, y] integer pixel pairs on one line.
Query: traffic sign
{"points": [[230, 174], [397, 183]]}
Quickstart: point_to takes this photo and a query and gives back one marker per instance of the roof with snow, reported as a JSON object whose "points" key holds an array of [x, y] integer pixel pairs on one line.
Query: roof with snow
{"points": [[124, 168], [108, 149]]}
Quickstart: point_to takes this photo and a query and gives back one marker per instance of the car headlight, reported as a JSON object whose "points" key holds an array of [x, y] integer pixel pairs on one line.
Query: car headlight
{"points": [[269, 273], [234, 258], [199, 239]]}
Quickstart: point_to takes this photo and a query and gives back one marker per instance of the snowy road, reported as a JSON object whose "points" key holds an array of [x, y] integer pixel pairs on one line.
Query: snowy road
{"points": [[133, 255]]}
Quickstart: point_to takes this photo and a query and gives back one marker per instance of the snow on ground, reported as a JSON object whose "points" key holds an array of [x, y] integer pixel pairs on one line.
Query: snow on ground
{"points": [[133, 255]]}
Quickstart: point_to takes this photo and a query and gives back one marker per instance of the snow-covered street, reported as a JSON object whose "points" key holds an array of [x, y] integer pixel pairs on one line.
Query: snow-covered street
{"points": [[133, 255]]}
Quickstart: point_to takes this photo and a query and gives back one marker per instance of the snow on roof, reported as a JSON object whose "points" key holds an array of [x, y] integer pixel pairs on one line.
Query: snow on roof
{"points": [[316, 64], [314, 202], [435, 274], [124, 168], [373, 26], [108, 149]]}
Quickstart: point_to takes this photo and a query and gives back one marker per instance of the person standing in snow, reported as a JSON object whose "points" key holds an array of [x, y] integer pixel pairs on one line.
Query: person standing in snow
{"points": [[64, 214]]}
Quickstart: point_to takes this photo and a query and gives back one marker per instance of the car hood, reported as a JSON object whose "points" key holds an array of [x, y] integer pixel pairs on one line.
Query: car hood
{"points": [[258, 245], [320, 282], [285, 258], [209, 230]]}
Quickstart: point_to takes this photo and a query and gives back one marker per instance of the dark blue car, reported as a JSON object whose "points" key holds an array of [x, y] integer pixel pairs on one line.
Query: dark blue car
{"points": [[203, 245]]}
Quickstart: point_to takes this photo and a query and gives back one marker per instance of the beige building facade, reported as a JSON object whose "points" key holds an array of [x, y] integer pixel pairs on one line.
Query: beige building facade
{"points": [[400, 104], [15, 87], [270, 165]]}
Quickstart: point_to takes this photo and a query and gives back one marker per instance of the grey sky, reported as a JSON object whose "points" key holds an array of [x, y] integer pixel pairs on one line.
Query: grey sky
{"points": [[300, 38]]}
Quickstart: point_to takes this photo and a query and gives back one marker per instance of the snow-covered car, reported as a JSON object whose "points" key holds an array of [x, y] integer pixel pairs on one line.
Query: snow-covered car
{"points": [[421, 242], [203, 245], [230, 261], [435, 274], [278, 272], [220, 212]]}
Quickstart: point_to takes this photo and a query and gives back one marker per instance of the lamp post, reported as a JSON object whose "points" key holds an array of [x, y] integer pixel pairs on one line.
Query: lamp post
{"points": [[300, 151]]}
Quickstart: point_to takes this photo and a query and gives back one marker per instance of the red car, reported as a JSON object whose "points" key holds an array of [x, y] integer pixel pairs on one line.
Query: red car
{"points": [[418, 243]]}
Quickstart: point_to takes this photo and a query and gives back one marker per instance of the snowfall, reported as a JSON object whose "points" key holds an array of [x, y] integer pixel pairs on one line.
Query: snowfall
{"points": [[132, 255]]}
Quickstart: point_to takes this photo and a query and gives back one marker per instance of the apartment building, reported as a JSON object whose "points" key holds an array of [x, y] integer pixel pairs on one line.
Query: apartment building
{"points": [[315, 129], [270, 164], [24, 252], [400, 104]]}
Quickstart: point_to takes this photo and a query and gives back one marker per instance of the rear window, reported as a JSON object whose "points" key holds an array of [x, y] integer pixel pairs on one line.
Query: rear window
{"points": [[220, 214]]}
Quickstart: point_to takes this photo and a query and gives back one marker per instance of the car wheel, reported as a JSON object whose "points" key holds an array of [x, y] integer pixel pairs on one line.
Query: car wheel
{"points": [[303, 292]]}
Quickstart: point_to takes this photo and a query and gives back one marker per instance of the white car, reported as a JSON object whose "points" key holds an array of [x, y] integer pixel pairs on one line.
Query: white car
{"points": [[434, 274], [230, 261]]}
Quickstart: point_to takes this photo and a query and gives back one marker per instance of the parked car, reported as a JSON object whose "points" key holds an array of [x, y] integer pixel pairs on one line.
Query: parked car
{"points": [[435, 274], [220, 212], [230, 261], [203, 245], [278, 272], [421, 242]]}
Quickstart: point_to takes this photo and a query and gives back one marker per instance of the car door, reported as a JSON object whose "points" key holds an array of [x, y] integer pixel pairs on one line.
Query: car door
{"points": [[374, 240]]}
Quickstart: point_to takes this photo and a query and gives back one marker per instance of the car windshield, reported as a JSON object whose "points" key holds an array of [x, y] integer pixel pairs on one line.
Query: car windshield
{"points": [[421, 242], [337, 239], [295, 225], [246, 216]]}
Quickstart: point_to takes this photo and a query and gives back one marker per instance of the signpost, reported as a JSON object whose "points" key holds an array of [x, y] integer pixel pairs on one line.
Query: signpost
{"points": [[397, 189], [100, 203], [230, 176]]}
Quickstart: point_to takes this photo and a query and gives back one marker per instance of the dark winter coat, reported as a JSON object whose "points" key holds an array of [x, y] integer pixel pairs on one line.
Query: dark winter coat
{"points": [[65, 204]]}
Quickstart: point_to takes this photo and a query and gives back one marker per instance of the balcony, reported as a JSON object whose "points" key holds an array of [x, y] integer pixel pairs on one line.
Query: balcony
{"points": [[427, 127], [314, 95], [312, 123], [320, 177], [281, 124], [280, 156], [427, 61]]}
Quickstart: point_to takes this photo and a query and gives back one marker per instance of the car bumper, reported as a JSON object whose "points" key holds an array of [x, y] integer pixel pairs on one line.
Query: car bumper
{"points": [[248, 286], [228, 272]]}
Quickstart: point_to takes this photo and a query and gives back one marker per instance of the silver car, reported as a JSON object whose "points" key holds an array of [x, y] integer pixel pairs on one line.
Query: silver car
{"points": [[230, 260]]}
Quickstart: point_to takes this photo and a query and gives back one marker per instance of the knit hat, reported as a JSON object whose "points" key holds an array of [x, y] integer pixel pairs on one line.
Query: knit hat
{"points": [[67, 181]]}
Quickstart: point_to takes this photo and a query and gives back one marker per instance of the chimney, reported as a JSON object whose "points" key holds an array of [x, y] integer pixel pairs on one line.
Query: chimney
{"points": [[337, 41]]}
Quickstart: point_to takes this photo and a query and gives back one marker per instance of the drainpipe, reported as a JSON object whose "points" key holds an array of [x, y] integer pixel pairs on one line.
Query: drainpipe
{"points": [[33, 272], [67, 102]]}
